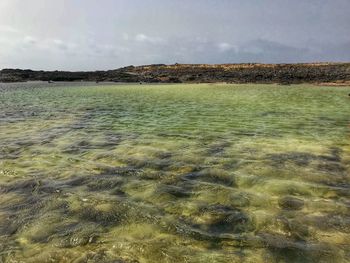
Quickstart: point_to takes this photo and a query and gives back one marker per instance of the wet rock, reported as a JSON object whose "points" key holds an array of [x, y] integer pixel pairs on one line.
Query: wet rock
{"points": [[291, 203]]}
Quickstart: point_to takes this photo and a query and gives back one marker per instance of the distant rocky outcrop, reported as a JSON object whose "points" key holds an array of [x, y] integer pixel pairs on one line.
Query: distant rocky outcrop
{"points": [[197, 73]]}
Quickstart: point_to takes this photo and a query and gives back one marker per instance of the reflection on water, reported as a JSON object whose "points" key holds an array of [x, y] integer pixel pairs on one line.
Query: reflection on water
{"points": [[177, 173]]}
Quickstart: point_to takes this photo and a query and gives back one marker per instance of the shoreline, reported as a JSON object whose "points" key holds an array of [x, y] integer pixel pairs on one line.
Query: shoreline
{"points": [[111, 83], [335, 73]]}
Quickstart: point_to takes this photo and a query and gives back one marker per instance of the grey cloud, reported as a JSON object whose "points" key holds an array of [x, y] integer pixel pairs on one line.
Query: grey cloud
{"points": [[29, 40], [224, 47], [8, 29], [149, 39]]}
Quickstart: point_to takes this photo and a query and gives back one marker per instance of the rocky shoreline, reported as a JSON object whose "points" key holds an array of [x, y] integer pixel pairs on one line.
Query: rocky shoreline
{"points": [[335, 73]]}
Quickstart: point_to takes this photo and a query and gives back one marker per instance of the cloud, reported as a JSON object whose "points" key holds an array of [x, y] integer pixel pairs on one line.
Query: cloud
{"points": [[106, 50], [8, 29], [223, 47], [62, 45], [30, 40], [335, 52], [142, 38], [125, 36], [267, 51], [80, 34], [183, 50]]}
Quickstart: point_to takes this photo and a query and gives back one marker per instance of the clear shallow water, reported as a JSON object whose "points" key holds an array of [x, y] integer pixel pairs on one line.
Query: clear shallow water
{"points": [[174, 173]]}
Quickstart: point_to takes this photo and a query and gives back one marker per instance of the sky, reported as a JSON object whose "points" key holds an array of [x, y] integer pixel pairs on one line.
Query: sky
{"points": [[108, 34]]}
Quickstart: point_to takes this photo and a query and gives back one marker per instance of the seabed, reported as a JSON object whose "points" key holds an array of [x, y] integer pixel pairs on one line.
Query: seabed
{"points": [[174, 173]]}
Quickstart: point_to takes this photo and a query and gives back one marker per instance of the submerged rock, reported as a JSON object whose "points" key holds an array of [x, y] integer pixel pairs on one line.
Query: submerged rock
{"points": [[287, 250], [104, 183], [213, 175], [78, 235], [298, 158], [218, 148], [294, 228], [176, 191], [290, 203], [240, 199], [105, 214], [213, 223], [227, 220]]}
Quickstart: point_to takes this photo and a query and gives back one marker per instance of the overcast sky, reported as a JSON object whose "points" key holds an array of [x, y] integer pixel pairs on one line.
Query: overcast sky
{"points": [[107, 34]]}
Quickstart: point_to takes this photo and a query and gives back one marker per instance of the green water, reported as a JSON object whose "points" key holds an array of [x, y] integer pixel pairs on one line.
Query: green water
{"points": [[174, 173]]}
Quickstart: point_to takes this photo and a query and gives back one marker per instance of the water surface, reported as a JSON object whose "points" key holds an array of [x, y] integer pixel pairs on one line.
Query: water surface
{"points": [[174, 173]]}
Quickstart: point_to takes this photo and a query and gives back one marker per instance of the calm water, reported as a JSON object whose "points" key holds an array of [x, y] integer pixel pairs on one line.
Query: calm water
{"points": [[174, 173]]}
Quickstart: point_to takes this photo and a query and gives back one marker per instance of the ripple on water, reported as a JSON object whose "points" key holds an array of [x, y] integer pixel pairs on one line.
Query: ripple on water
{"points": [[184, 173]]}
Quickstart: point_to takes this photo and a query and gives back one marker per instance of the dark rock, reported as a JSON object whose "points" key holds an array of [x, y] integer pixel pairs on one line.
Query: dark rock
{"points": [[291, 203], [104, 183], [294, 228], [218, 223], [76, 235], [332, 167], [298, 158], [228, 220], [287, 250], [106, 217], [218, 148], [284, 74], [216, 176], [176, 191]]}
